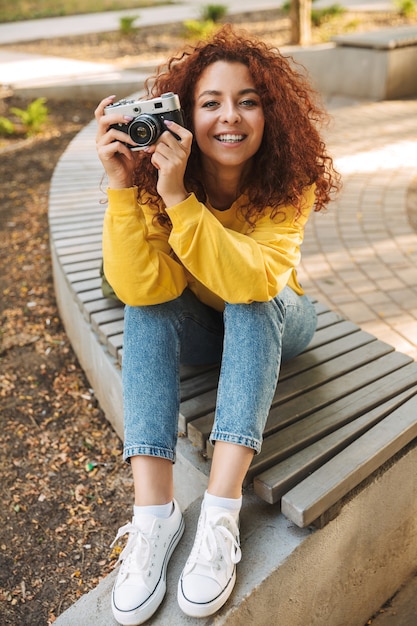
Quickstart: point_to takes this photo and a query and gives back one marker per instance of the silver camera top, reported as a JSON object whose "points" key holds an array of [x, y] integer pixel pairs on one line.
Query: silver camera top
{"points": [[145, 119], [166, 103]]}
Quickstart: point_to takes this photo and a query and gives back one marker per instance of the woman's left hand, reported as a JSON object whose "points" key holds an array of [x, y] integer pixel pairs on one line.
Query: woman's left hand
{"points": [[170, 156]]}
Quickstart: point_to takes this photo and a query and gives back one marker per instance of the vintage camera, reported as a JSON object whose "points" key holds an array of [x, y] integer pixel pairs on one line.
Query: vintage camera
{"points": [[148, 118]]}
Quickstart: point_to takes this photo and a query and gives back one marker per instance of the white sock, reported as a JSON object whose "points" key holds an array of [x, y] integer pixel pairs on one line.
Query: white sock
{"points": [[157, 510], [231, 504]]}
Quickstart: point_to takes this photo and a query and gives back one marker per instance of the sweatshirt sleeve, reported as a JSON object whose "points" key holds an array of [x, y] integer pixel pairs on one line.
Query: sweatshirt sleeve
{"points": [[138, 260], [238, 267]]}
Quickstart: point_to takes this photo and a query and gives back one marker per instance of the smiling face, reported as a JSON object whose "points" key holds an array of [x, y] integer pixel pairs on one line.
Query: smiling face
{"points": [[228, 117]]}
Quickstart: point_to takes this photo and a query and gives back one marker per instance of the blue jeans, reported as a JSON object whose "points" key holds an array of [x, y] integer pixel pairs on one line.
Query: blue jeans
{"points": [[248, 340]]}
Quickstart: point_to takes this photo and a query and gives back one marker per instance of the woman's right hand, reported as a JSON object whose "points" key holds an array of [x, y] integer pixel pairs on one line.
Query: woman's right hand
{"points": [[117, 159]]}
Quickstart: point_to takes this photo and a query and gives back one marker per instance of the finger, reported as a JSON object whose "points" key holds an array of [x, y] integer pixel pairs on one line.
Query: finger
{"points": [[170, 162], [99, 112], [114, 149], [171, 147], [108, 132], [183, 133]]}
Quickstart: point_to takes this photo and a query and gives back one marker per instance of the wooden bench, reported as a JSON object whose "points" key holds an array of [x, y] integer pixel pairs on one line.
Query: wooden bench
{"points": [[341, 410]]}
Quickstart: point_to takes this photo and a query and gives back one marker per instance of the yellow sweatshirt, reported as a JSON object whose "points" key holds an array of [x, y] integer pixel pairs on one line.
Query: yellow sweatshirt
{"points": [[218, 255]]}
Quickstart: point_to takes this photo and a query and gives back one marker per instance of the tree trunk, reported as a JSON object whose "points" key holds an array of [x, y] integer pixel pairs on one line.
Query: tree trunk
{"points": [[300, 14]]}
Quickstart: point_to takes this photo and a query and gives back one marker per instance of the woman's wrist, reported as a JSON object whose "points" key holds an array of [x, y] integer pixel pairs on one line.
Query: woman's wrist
{"points": [[119, 184], [175, 199]]}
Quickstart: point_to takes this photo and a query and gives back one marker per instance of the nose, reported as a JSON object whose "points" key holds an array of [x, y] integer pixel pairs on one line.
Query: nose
{"points": [[230, 113]]}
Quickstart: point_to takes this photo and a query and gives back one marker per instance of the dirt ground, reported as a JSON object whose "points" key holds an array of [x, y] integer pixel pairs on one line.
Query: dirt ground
{"points": [[65, 489]]}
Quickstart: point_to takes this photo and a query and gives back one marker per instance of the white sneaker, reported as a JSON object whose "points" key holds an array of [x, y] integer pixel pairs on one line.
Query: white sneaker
{"points": [[209, 574], [141, 582]]}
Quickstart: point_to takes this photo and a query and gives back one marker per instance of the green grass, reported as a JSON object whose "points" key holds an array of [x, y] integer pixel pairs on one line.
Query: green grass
{"points": [[14, 10]]}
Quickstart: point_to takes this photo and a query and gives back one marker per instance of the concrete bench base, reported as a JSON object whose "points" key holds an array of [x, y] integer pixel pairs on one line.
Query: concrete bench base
{"points": [[379, 65]]}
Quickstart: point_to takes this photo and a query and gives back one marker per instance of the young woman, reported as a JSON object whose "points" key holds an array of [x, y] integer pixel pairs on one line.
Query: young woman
{"points": [[201, 240]]}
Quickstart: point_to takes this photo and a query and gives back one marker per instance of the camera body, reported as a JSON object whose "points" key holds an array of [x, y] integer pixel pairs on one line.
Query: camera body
{"points": [[148, 118]]}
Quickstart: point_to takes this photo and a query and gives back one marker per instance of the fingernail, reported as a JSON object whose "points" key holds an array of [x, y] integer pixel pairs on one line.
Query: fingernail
{"points": [[168, 122], [128, 118], [111, 97]]}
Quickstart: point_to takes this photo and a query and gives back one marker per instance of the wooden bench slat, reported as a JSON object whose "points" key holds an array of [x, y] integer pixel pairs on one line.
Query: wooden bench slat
{"points": [[82, 232], [77, 207], [93, 295], [99, 304], [330, 333], [87, 274], [86, 285], [105, 316], [319, 307], [198, 431], [79, 257], [306, 403], [327, 485], [329, 370], [114, 345], [325, 353], [60, 228], [328, 319], [196, 407], [75, 215], [72, 248], [91, 235], [190, 371], [274, 482], [197, 385], [83, 264], [286, 441], [105, 331]]}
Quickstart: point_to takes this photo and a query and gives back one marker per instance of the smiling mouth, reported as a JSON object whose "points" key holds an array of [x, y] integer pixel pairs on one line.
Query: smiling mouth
{"points": [[229, 138]]}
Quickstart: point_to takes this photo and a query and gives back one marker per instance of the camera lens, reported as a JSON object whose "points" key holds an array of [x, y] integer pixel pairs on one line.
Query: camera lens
{"points": [[145, 130]]}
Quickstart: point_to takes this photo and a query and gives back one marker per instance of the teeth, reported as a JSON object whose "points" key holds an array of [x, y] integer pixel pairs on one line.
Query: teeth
{"points": [[230, 138]]}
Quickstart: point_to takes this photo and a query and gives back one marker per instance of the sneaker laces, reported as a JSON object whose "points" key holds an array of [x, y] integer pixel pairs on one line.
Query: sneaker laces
{"points": [[136, 555], [213, 536]]}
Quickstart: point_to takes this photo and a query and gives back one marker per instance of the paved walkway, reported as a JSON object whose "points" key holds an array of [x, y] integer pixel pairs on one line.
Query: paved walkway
{"points": [[361, 256]]}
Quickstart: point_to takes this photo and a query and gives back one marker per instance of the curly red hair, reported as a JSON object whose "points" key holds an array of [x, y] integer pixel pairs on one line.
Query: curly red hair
{"points": [[292, 155]]}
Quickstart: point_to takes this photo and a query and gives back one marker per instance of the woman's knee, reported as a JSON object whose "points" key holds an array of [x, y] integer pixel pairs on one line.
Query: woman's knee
{"points": [[300, 326]]}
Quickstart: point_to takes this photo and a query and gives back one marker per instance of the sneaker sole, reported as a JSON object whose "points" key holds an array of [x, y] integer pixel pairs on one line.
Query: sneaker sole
{"points": [[194, 609], [142, 613]]}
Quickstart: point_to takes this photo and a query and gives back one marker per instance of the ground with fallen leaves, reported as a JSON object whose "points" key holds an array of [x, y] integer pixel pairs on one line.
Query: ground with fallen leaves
{"points": [[65, 489]]}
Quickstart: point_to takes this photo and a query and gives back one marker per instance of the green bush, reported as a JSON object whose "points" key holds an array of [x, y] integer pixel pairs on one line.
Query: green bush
{"points": [[318, 16], [406, 8], [207, 24], [213, 12], [33, 117], [6, 127], [195, 29], [127, 24]]}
